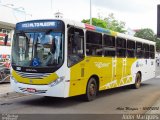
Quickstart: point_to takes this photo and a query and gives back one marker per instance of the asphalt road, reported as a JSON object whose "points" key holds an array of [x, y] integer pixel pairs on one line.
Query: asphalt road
{"points": [[123, 100]]}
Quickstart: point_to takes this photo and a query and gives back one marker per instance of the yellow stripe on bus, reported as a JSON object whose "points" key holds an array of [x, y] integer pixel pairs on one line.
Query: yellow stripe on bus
{"points": [[44, 81], [112, 72]]}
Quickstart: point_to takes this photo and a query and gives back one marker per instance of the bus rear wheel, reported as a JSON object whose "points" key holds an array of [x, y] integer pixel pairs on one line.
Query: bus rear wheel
{"points": [[137, 81], [91, 90]]}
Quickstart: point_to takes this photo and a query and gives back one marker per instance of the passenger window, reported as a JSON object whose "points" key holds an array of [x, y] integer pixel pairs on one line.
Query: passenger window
{"points": [[75, 45], [139, 50], [130, 49], [109, 45], [146, 50], [93, 44], [152, 52], [121, 47]]}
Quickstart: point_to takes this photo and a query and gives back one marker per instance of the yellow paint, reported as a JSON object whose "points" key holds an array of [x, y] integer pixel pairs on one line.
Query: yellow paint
{"points": [[44, 81], [113, 33], [103, 67]]}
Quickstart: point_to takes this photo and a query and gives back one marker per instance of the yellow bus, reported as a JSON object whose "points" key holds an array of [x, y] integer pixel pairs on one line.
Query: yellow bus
{"points": [[63, 58]]}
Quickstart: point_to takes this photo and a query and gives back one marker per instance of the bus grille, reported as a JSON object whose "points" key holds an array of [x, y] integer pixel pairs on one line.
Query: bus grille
{"points": [[33, 75]]}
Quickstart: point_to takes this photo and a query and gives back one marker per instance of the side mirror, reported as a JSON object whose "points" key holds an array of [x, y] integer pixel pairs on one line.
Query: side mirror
{"points": [[5, 40]]}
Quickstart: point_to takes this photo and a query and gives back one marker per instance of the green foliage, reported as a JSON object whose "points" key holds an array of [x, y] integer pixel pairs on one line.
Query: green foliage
{"points": [[145, 34], [148, 34], [158, 44], [108, 23], [96, 22], [114, 24]]}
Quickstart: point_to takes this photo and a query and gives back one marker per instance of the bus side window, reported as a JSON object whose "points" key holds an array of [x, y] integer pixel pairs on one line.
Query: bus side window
{"points": [[146, 50], [139, 50], [75, 45], [109, 45], [93, 43], [130, 49], [121, 47], [152, 52]]}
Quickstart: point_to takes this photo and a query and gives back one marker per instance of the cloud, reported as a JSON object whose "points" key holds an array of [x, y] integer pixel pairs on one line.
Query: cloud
{"points": [[133, 6]]}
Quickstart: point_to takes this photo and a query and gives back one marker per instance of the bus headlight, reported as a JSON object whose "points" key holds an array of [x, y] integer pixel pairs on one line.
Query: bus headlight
{"points": [[12, 78], [57, 81]]}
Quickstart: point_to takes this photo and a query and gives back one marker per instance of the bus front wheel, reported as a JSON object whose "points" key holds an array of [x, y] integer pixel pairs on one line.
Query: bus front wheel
{"points": [[91, 90], [137, 81]]}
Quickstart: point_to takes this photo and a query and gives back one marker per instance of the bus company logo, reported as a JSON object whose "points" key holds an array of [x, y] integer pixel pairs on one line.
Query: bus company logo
{"points": [[152, 62], [30, 81], [18, 68], [31, 70], [101, 65], [139, 64]]}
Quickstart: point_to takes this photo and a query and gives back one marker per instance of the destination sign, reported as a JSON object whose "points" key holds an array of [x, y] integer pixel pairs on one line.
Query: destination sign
{"points": [[39, 24]]}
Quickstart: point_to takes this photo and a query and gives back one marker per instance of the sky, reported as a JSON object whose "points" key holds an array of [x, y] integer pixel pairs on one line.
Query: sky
{"points": [[136, 14]]}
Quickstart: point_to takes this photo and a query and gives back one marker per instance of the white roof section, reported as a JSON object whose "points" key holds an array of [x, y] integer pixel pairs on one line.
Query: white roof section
{"points": [[135, 38], [82, 25], [125, 36], [74, 23]]}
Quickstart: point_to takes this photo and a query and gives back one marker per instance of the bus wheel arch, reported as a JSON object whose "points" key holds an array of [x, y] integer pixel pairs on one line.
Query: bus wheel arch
{"points": [[138, 80], [92, 88], [97, 80]]}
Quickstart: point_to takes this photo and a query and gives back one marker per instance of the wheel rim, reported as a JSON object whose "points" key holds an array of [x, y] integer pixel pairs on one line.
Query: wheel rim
{"points": [[138, 81], [92, 89]]}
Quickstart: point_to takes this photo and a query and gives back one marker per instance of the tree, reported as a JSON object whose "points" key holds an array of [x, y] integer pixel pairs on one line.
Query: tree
{"points": [[114, 24], [108, 23], [148, 34], [158, 44], [96, 22], [145, 33]]}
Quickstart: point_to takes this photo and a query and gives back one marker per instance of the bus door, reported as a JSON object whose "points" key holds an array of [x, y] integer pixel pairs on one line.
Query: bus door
{"points": [[76, 61]]}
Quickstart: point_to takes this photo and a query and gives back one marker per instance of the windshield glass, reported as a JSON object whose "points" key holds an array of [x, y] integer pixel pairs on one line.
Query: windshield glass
{"points": [[38, 49]]}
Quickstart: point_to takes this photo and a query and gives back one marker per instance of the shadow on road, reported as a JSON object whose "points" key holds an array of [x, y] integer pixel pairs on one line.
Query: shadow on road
{"points": [[118, 90], [72, 101]]}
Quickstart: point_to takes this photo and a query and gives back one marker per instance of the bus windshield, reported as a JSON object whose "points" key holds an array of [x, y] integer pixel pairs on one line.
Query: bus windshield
{"points": [[38, 49]]}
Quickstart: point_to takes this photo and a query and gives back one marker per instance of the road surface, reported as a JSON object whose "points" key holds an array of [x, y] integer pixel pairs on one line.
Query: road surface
{"points": [[116, 101]]}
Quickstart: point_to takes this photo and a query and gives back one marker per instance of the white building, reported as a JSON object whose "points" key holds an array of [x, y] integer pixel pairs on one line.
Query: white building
{"points": [[58, 15]]}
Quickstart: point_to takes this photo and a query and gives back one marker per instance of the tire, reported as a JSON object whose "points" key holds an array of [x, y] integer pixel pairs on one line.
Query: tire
{"points": [[91, 90], [137, 81]]}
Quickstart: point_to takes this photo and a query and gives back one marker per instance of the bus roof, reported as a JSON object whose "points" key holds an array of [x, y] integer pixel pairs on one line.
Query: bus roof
{"points": [[96, 29], [106, 31]]}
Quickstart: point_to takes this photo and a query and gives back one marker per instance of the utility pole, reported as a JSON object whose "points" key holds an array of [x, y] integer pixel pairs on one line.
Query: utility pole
{"points": [[51, 6], [158, 21], [90, 12]]}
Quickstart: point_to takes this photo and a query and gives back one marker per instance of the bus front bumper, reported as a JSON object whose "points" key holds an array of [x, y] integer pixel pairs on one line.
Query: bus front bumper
{"points": [[43, 90]]}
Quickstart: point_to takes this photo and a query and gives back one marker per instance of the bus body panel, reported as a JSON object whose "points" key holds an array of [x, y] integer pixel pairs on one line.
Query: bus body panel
{"points": [[43, 90], [20, 84], [111, 71]]}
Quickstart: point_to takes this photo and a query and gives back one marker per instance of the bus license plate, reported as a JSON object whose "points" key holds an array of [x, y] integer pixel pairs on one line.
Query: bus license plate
{"points": [[31, 90]]}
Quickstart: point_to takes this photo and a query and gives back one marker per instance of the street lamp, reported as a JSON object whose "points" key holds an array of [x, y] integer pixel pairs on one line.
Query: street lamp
{"points": [[90, 12], [51, 5], [18, 9], [21, 9], [7, 5]]}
